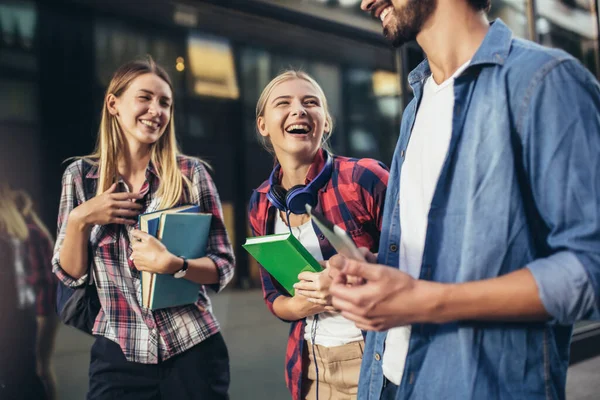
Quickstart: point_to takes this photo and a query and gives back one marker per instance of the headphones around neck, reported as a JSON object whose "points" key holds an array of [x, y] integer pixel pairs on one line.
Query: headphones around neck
{"points": [[295, 199]]}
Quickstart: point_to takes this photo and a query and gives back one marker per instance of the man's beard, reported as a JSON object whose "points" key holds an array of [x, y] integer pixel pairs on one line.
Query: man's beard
{"points": [[408, 21]]}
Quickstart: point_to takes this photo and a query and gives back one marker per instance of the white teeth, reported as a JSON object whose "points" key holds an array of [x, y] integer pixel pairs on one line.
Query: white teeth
{"points": [[303, 127], [385, 12], [151, 124]]}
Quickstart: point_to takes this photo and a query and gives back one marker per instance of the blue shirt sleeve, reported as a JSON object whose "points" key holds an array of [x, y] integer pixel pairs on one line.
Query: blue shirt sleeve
{"points": [[561, 142]]}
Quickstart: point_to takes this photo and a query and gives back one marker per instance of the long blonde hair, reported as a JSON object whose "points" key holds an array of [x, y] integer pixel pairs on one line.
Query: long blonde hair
{"points": [[110, 139], [12, 222], [25, 206], [264, 97]]}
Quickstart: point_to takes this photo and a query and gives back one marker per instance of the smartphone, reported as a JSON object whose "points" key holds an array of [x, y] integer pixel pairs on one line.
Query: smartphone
{"points": [[338, 238]]}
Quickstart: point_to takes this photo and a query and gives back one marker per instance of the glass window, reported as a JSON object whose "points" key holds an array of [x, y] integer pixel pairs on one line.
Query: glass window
{"points": [[512, 12], [572, 26], [212, 67], [567, 24], [18, 101], [373, 112], [18, 23], [117, 43], [346, 12], [255, 67], [281, 62], [329, 78]]}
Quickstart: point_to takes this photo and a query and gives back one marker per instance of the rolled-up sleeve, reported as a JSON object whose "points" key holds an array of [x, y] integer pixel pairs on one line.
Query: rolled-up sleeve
{"points": [[371, 180], [219, 248], [562, 157], [72, 192]]}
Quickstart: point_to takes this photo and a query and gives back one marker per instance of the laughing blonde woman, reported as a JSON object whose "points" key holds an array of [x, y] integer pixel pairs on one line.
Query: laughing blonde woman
{"points": [[324, 350], [172, 353]]}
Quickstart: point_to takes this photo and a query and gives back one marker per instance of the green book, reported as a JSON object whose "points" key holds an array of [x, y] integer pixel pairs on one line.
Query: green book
{"points": [[183, 234], [283, 256]]}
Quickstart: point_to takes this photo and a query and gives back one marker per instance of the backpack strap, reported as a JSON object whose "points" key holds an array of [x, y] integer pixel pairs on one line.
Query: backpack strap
{"points": [[89, 185]]}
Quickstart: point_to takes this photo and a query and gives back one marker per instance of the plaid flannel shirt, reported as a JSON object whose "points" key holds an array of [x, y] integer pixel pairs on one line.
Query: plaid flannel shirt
{"points": [[145, 336], [34, 283], [352, 199], [39, 251]]}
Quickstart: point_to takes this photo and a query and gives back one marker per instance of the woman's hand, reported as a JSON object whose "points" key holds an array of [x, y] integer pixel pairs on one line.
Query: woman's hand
{"points": [[314, 286], [149, 254], [110, 207]]}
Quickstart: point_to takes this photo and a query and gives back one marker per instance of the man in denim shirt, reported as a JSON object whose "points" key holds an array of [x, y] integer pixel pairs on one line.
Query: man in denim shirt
{"points": [[492, 216]]}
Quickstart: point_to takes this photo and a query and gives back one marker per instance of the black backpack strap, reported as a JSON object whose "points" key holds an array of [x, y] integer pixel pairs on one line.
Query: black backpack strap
{"points": [[78, 307], [89, 185]]}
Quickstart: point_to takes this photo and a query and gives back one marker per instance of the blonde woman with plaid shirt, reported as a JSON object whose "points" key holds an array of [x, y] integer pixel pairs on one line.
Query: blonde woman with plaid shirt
{"points": [[172, 353]]}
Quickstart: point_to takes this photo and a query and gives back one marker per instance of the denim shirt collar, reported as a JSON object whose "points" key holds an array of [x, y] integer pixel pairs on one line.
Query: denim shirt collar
{"points": [[493, 50]]}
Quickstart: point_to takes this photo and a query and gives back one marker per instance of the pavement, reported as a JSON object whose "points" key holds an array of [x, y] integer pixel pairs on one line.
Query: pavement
{"points": [[256, 341]]}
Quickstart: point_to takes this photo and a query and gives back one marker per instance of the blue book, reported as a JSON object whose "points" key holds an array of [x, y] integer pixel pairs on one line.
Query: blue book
{"points": [[149, 222], [183, 234]]}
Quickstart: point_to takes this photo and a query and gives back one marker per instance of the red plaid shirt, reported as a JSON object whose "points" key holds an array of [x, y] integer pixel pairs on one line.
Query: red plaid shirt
{"points": [[39, 251], [352, 199], [145, 336], [35, 285]]}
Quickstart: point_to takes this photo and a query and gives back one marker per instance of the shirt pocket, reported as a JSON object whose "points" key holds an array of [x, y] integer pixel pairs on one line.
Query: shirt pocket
{"points": [[361, 237], [106, 250], [103, 235]]}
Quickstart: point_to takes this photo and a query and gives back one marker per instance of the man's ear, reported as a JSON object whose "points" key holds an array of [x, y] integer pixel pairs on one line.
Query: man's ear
{"points": [[262, 127], [111, 104]]}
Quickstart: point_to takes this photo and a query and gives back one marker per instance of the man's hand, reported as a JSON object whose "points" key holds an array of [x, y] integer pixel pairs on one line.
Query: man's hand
{"points": [[353, 280], [387, 297]]}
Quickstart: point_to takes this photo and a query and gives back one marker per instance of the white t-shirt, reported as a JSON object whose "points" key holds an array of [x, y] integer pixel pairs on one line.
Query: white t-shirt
{"points": [[331, 328], [425, 155]]}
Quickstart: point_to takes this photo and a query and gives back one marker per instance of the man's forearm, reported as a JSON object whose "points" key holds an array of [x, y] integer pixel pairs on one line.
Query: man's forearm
{"points": [[512, 297]]}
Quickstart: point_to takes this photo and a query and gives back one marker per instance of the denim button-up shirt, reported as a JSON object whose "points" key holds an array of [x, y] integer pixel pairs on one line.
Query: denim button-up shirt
{"points": [[519, 188]]}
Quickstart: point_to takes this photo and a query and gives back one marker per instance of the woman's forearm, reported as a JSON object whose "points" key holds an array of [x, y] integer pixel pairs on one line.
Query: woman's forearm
{"points": [[295, 308], [200, 270], [73, 256]]}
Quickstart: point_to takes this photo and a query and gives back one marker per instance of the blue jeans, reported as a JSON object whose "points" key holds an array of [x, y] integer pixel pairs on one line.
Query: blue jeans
{"points": [[389, 390]]}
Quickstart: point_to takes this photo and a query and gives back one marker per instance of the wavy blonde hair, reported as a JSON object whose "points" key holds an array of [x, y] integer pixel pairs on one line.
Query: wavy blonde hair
{"points": [[12, 222], [111, 139], [288, 75]]}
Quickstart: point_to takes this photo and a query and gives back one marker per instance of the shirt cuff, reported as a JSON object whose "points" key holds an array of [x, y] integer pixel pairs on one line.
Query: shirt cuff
{"points": [[67, 279], [224, 270], [564, 287]]}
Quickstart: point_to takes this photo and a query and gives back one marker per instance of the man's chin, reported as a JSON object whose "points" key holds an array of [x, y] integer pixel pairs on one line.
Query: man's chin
{"points": [[396, 40], [400, 40]]}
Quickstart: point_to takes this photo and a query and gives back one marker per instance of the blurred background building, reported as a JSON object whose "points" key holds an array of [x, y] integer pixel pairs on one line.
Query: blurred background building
{"points": [[57, 57]]}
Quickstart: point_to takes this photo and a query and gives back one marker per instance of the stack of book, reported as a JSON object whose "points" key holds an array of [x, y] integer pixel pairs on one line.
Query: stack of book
{"points": [[184, 231]]}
